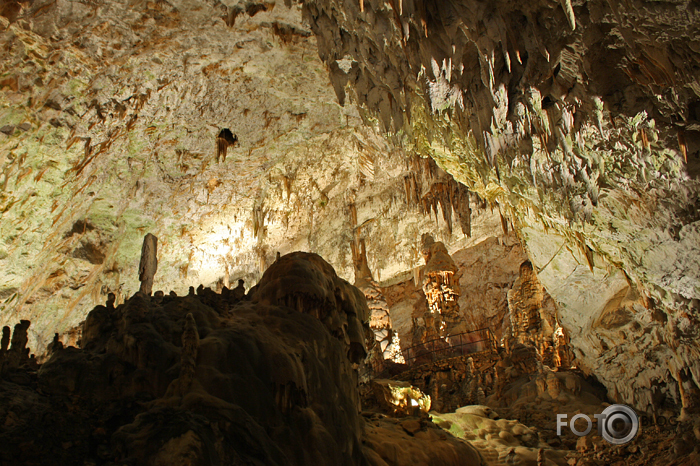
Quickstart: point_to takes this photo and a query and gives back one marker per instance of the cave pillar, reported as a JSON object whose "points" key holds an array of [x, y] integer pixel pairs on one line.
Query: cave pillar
{"points": [[689, 394], [528, 322]]}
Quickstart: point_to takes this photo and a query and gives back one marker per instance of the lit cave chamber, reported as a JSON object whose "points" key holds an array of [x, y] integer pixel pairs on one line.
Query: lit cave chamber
{"points": [[349, 232]]}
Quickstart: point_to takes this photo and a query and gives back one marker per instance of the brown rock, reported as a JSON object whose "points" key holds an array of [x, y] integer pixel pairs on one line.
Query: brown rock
{"points": [[411, 426]]}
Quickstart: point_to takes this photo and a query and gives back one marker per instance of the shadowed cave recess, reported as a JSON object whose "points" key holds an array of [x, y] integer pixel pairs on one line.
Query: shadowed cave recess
{"points": [[359, 232]]}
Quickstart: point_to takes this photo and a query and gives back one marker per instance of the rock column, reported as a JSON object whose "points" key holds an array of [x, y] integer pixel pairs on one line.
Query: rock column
{"points": [[148, 264], [380, 320], [530, 324], [441, 290]]}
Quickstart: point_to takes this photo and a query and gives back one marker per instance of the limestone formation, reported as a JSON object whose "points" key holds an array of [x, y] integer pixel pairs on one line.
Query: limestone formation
{"points": [[5, 342], [4, 345], [562, 349], [531, 322], [56, 345], [18, 353], [441, 290], [559, 125], [149, 263], [238, 292], [387, 339], [188, 356], [400, 398], [224, 140], [573, 126], [306, 283], [266, 383], [111, 298]]}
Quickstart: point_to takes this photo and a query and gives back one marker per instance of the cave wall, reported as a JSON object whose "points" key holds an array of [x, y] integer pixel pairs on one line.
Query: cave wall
{"points": [[110, 113], [579, 120]]}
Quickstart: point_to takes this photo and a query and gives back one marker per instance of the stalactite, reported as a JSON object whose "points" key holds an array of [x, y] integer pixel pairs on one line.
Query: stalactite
{"points": [[366, 164], [258, 220], [504, 222]]}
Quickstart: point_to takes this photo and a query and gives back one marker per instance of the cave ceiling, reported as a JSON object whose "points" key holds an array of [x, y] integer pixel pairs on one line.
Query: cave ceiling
{"points": [[576, 123], [110, 114]]}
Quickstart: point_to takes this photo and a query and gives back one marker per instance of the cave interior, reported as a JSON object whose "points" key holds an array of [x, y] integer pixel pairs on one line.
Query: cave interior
{"points": [[349, 232]]}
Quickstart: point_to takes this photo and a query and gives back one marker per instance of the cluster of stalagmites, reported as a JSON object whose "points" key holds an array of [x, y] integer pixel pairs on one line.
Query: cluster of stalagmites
{"points": [[268, 377], [14, 353]]}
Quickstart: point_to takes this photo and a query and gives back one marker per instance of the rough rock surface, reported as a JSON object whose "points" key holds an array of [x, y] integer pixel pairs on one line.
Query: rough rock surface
{"points": [[580, 121], [441, 290], [214, 125], [264, 381], [110, 115], [209, 379], [486, 272], [387, 342], [393, 441]]}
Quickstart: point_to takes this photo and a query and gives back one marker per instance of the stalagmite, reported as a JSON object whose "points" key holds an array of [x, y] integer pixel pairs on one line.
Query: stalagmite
{"points": [[387, 339], [18, 354], [55, 345], [5, 342], [562, 351], [441, 291], [148, 264], [530, 324], [110, 301], [239, 291]]}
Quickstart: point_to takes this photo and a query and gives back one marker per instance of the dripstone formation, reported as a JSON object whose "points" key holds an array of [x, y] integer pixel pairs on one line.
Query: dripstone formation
{"points": [[441, 291], [579, 122], [532, 320], [207, 379], [386, 338]]}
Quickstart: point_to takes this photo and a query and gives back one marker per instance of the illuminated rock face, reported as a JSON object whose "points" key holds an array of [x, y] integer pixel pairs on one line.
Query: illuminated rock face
{"points": [[441, 290], [580, 122], [113, 119], [387, 344], [532, 320], [577, 124]]}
